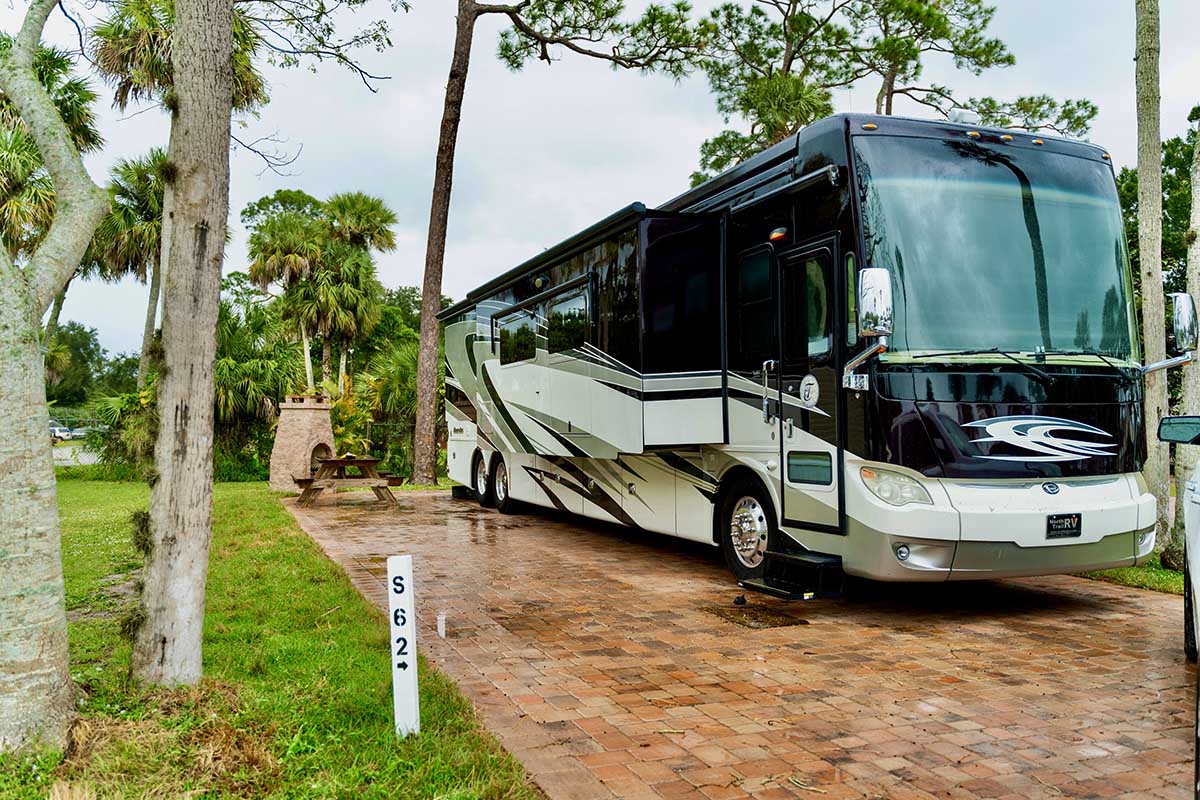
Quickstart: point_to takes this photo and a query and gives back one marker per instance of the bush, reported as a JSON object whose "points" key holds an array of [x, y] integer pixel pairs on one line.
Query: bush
{"points": [[240, 466]]}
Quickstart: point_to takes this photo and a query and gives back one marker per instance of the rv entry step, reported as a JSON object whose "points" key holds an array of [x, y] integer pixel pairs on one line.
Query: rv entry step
{"points": [[796, 574]]}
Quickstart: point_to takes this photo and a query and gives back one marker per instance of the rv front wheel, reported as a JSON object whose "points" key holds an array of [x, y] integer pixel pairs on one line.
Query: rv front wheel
{"points": [[747, 520]]}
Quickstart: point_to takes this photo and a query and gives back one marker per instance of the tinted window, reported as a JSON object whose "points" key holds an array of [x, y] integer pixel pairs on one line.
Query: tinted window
{"points": [[807, 321], [810, 468], [518, 336], [618, 322], [992, 246], [567, 321], [682, 288], [753, 325]]}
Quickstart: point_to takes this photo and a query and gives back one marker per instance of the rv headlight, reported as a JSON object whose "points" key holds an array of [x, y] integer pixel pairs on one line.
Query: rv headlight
{"points": [[893, 488]]}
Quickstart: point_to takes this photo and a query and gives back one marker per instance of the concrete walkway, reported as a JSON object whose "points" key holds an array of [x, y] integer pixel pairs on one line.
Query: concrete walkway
{"points": [[602, 658]]}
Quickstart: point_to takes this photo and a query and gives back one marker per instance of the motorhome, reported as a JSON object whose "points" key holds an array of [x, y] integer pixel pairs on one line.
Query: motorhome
{"points": [[893, 348]]}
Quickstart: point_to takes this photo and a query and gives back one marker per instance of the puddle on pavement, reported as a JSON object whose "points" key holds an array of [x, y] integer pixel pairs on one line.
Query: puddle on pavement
{"points": [[752, 616]]}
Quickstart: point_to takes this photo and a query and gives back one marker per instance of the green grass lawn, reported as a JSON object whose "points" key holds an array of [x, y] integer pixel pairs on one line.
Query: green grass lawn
{"points": [[1151, 575], [297, 696]]}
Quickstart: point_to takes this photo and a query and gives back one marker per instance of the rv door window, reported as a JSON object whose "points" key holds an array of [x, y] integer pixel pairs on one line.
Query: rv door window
{"points": [[567, 321], [808, 326], [518, 336]]}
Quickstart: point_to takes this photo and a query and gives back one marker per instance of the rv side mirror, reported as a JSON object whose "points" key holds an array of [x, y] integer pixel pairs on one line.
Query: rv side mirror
{"points": [[1181, 430], [874, 302], [1183, 322]]}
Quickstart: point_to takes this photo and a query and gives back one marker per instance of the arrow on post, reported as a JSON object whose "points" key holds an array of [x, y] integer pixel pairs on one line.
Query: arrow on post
{"points": [[403, 665]]}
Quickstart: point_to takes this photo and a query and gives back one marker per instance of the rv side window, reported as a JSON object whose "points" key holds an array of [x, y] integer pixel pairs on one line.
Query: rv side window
{"points": [[816, 468], [567, 321], [807, 326], [755, 322], [518, 336]]}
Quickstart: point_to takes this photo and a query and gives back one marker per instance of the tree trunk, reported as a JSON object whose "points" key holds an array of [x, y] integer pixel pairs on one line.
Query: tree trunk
{"points": [[1186, 457], [148, 328], [167, 644], [36, 693], [342, 370], [308, 370], [35, 686], [55, 313], [425, 430], [1149, 168], [326, 360]]}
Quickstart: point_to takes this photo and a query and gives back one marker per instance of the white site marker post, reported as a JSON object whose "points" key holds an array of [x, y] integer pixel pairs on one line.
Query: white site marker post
{"points": [[402, 618]]}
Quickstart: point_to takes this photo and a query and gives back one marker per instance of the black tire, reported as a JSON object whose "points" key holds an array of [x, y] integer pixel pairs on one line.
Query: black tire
{"points": [[499, 486], [1189, 617], [748, 499], [480, 474]]}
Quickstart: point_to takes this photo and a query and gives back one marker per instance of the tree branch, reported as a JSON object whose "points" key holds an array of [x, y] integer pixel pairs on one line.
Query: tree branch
{"points": [[273, 156], [79, 203]]}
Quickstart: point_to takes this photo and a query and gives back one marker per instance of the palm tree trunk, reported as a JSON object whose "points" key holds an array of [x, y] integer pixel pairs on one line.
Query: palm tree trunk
{"points": [[424, 442], [1149, 168], [167, 645], [326, 360], [148, 328], [307, 345], [1186, 457], [55, 313], [342, 370]]}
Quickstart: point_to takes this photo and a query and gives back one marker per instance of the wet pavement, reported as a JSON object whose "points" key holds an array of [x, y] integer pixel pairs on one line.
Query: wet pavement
{"points": [[613, 662]]}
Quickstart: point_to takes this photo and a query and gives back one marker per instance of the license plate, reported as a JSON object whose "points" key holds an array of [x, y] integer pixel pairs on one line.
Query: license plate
{"points": [[1064, 526]]}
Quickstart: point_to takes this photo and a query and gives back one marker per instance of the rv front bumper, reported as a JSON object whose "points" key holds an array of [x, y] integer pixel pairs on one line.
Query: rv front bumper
{"points": [[874, 554], [978, 529]]}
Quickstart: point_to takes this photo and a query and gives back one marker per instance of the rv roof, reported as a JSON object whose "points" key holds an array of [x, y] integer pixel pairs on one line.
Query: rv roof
{"points": [[902, 126]]}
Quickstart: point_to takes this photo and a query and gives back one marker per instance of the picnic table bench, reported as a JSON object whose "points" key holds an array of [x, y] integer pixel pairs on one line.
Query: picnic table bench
{"points": [[331, 474]]}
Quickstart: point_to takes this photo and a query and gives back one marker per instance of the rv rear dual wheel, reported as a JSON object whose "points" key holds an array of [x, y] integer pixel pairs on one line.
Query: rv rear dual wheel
{"points": [[504, 502], [482, 482], [747, 522]]}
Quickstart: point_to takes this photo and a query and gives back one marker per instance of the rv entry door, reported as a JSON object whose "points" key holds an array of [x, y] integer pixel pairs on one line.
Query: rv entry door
{"points": [[808, 388]]}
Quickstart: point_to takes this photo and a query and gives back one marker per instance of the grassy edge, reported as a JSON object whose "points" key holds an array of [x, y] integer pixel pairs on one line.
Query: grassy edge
{"points": [[297, 696], [1152, 575]]}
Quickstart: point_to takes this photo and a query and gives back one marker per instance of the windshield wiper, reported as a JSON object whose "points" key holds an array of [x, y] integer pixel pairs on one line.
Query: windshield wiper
{"points": [[1086, 352], [1044, 376]]}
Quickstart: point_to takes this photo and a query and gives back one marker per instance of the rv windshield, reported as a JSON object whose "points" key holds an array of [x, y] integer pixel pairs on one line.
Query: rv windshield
{"points": [[996, 247]]}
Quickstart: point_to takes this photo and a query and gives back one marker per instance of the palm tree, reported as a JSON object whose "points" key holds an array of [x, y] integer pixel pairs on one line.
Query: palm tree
{"points": [[285, 248], [128, 240], [358, 298], [131, 48], [361, 220], [255, 364]]}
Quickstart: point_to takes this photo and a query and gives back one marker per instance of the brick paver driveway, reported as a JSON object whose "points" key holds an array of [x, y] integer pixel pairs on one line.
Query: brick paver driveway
{"points": [[595, 655]]}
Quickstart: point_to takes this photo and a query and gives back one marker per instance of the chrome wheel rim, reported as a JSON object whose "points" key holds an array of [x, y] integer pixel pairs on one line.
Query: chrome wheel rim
{"points": [[748, 531], [501, 482], [481, 477]]}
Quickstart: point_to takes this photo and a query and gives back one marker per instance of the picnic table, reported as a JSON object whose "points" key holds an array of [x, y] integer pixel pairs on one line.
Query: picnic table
{"points": [[331, 474]]}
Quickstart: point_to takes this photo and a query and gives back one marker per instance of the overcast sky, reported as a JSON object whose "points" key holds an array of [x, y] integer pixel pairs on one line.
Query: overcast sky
{"points": [[545, 152]]}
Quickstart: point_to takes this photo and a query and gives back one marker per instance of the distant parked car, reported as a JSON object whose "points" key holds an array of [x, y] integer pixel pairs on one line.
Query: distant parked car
{"points": [[59, 432]]}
